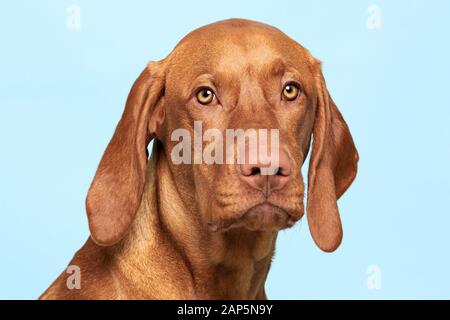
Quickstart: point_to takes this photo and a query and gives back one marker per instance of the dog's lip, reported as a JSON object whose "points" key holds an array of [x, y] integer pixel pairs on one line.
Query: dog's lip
{"points": [[264, 205]]}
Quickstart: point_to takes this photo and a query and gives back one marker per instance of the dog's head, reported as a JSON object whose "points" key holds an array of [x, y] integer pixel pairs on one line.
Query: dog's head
{"points": [[234, 107]]}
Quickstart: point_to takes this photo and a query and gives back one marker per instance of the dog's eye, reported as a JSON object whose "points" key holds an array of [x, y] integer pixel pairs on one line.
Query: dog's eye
{"points": [[205, 96], [291, 91]]}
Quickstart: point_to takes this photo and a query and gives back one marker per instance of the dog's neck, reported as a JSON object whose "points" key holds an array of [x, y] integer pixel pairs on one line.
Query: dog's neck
{"points": [[169, 248]]}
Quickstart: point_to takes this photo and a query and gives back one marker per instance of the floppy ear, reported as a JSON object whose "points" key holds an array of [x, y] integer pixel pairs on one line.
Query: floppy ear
{"points": [[332, 169], [116, 191]]}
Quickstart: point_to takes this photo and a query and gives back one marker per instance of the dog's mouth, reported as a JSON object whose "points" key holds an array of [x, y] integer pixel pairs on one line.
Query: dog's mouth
{"points": [[264, 216]]}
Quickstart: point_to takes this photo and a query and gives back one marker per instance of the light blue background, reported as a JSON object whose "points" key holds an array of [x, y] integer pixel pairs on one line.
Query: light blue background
{"points": [[62, 93]]}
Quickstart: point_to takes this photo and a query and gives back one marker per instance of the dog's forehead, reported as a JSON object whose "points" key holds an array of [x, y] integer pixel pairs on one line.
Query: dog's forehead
{"points": [[235, 44], [232, 30]]}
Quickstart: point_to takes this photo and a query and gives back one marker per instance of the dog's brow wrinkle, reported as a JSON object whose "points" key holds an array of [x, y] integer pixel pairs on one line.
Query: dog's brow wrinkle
{"points": [[277, 67]]}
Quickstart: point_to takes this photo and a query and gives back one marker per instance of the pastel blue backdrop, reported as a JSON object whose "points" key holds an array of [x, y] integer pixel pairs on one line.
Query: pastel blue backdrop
{"points": [[62, 92]]}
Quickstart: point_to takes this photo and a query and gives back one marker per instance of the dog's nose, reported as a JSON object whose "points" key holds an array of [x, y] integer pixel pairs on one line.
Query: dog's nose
{"points": [[259, 177]]}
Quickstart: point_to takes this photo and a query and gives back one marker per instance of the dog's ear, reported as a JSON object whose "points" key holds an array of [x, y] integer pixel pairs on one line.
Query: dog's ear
{"points": [[116, 191], [332, 168]]}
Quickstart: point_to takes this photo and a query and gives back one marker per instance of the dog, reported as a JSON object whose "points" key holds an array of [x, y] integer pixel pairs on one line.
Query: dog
{"points": [[163, 230]]}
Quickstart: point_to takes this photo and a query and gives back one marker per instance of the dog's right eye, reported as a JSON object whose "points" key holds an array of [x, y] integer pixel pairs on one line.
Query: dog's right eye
{"points": [[205, 96]]}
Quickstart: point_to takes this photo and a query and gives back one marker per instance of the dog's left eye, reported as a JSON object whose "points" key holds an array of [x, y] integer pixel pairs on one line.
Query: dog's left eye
{"points": [[291, 91], [205, 96]]}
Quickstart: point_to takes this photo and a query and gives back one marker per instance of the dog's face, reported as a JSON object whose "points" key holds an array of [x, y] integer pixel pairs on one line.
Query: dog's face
{"points": [[235, 75], [249, 77]]}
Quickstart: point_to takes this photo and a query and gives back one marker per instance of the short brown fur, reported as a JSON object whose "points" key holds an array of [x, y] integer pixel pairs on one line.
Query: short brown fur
{"points": [[151, 220]]}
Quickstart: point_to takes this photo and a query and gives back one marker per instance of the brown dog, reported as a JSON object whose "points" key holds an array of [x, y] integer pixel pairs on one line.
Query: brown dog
{"points": [[161, 230]]}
